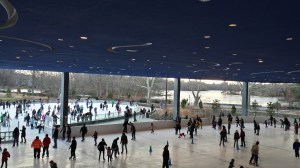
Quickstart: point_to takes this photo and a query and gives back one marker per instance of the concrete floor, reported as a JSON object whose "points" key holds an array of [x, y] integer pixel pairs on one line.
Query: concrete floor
{"points": [[275, 150]]}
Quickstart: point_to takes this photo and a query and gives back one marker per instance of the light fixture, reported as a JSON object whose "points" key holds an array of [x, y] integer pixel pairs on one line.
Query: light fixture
{"points": [[260, 61], [289, 38], [18, 57], [30, 56], [30, 66], [232, 25], [24, 51], [60, 39], [147, 60], [164, 56], [83, 38], [71, 46], [132, 59], [59, 61], [207, 47], [206, 37], [70, 66], [234, 54], [1, 40]]}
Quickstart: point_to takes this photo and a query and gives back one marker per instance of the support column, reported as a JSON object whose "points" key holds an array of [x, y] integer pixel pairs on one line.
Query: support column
{"points": [[176, 104], [245, 99], [64, 96]]}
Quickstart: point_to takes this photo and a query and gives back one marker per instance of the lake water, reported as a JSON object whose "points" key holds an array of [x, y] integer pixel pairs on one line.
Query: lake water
{"points": [[210, 95]]}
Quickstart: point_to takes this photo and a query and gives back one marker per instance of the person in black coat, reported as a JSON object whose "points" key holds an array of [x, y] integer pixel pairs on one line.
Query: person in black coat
{"points": [[16, 134], [296, 147], [115, 147], [166, 157], [83, 131], [55, 136], [69, 131], [73, 148], [23, 134], [101, 148]]}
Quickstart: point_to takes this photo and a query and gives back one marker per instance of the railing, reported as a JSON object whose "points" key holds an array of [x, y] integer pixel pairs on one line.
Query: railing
{"points": [[6, 136]]}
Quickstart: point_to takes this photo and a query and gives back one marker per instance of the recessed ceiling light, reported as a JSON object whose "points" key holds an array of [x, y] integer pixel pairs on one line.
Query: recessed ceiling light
{"points": [[24, 51], [206, 47], [71, 46], [289, 38], [164, 56], [260, 61], [161, 63], [234, 54], [123, 69], [238, 69], [202, 59], [91, 67], [204, 0], [133, 59], [60, 39], [147, 60], [70, 66], [232, 25], [30, 56], [206, 37], [1, 40], [149, 68], [83, 38], [18, 57], [58, 61], [194, 53], [30, 66]]}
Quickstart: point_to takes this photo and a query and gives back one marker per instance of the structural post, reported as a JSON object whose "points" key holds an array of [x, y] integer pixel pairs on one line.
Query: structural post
{"points": [[245, 99], [64, 96], [176, 104], [166, 105]]}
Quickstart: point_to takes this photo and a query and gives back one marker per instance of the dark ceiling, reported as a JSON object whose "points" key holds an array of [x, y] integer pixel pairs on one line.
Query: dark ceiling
{"points": [[244, 40]]}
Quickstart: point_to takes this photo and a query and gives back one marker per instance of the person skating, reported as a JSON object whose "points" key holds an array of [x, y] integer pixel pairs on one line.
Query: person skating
{"points": [[55, 136], [254, 152], [73, 148], [255, 126], [16, 134], [83, 131], [63, 131], [236, 139], [223, 136], [115, 147], [257, 129], [296, 147], [166, 157], [69, 131], [242, 135], [5, 156], [53, 164], [23, 134], [95, 136], [231, 164], [101, 148], [133, 130], [36, 145], [124, 142], [46, 143], [109, 154]]}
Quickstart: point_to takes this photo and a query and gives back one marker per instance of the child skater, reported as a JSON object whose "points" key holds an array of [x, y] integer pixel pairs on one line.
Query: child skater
{"points": [[152, 128], [109, 154]]}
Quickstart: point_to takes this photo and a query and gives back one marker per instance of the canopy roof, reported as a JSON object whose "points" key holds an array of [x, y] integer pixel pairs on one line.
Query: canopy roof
{"points": [[254, 40]]}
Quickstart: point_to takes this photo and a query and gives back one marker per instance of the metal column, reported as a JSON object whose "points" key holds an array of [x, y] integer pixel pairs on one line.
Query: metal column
{"points": [[64, 96], [245, 99], [176, 104]]}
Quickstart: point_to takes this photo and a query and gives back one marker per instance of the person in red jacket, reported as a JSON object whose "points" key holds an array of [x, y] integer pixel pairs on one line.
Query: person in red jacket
{"points": [[36, 145], [46, 143], [5, 156]]}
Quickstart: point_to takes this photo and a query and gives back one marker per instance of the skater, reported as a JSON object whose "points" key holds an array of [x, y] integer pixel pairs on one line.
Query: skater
{"points": [[296, 147], [231, 164], [266, 123], [83, 131], [296, 126], [229, 126], [255, 126], [46, 143], [242, 135], [73, 148], [236, 139], [124, 142], [95, 135], [16, 134], [36, 145], [254, 152], [53, 164], [181, 135], [69, 131], [55, 136], [223, 136], [257, 129], [23, 134], [101, 148], [152, 128], [115, 147], [166, 157], [63, 131], [237, 121], [109, 154], [5, 156], [132, 131]]}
